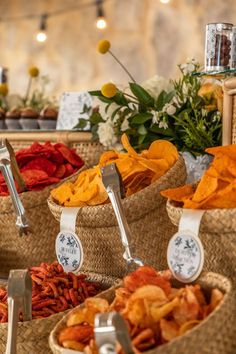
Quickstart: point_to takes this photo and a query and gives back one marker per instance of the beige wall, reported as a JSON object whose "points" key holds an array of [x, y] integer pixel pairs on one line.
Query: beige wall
{"points": [[149, 37]]}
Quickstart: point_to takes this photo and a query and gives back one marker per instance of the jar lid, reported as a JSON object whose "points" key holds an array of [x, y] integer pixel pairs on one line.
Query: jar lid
{"points": [[222, 25]]}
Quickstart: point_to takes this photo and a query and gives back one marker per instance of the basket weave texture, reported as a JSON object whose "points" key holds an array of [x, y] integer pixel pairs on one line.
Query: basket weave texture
{"points": [[39, 245], [32, 336], [148, 220], [214, 335], [218, 235]]}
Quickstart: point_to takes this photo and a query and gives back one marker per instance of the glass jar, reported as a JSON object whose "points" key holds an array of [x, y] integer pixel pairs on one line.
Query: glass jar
{"points": [[218, 46], [233, 49]]}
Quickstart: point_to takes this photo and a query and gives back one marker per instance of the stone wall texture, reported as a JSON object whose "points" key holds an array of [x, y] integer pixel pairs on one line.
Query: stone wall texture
{"points": [[149, 38]]}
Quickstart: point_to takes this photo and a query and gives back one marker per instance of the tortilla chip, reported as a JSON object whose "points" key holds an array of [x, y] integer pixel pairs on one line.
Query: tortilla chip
{"points": [[205, 188], [179, 194]]}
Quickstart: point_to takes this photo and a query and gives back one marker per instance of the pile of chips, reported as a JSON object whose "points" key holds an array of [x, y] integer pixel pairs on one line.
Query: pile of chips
{"points": [[137, 171], [44, 164], [217, 187], [154, 310]]}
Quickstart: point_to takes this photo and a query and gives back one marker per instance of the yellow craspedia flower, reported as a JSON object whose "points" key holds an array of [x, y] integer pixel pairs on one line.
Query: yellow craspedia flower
{"points": [[33, 71], [103, 46], [3, 89], [109, 90]]}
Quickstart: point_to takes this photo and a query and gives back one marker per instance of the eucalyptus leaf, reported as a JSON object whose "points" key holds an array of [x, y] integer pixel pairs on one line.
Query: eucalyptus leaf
{"points": [[143, 96], [142, 130], [141, 139], [95, 93], [96, 118], [160, 101], [81, 124], [141, 118]]}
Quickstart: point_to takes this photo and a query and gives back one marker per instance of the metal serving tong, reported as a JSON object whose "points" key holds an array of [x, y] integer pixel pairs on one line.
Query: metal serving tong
{"points": [[5, 167], [19, 301], [113, 183], [110, 328]]}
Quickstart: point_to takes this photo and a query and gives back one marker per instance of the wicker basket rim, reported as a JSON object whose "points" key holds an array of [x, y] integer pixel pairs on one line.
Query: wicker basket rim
{"points": [[204, 280], [210, 217], [33, 199], [107, 208]]}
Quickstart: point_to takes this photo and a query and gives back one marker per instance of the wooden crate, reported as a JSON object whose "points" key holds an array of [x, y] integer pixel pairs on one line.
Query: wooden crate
{"points": [[229, 112]]}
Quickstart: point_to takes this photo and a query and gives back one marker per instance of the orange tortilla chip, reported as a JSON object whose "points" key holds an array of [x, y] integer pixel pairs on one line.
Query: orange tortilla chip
{"points": [[229, 150], [205, 188], [126, 144], [108, 156], [179, 194], [137, 172]]}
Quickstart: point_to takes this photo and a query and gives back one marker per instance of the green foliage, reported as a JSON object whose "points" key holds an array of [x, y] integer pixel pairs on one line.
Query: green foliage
{"points": [[178, 116]]}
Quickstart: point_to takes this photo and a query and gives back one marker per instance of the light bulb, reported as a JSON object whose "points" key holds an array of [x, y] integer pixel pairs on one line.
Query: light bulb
{"points": [[164, 1], [101, 23], [41, 36]]}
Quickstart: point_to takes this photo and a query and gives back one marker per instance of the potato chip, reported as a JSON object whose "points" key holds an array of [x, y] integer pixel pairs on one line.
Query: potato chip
{"points": [[63, 193], [137, 172], [187, 326], [151, 293], [163, 149], [158, 312], [169, 329]]}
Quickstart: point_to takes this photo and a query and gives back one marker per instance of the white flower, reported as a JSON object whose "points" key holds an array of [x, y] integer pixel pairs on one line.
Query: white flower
{"points": [[156, 85], [169, 109], [204, 112], [188, 68], [125, 125], [216, 117], [155, 117], [106, 115], [163, 125], [192, 61], [106, 133], [176, 101]]}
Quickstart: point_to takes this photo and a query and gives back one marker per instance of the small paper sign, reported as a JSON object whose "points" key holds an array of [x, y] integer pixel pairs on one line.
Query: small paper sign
{"points": [[185, 256], [69, 251], [73, 106]]}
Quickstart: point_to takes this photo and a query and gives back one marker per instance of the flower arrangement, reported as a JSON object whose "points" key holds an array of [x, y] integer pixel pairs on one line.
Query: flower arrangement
{"points": [[186, 112], [35, 96]]}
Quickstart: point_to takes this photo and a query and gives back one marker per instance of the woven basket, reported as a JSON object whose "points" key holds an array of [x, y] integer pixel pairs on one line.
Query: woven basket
{"points": [[88, 150], [218, 235], [39, 245], [148, 220], [215, 335], [32, 336]]}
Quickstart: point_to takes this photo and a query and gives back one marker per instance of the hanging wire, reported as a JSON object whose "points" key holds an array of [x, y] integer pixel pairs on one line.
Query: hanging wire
{"points": [[50, 14]]}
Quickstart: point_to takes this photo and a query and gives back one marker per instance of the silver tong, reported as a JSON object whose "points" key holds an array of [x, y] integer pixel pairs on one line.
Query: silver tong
{"points": [[5, 168], [19, 301], [113, 183], [110, 328]]}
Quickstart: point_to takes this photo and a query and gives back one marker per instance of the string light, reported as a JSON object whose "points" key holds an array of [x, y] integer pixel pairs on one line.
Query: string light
{"points": [[100, 21], [41, 35]]}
